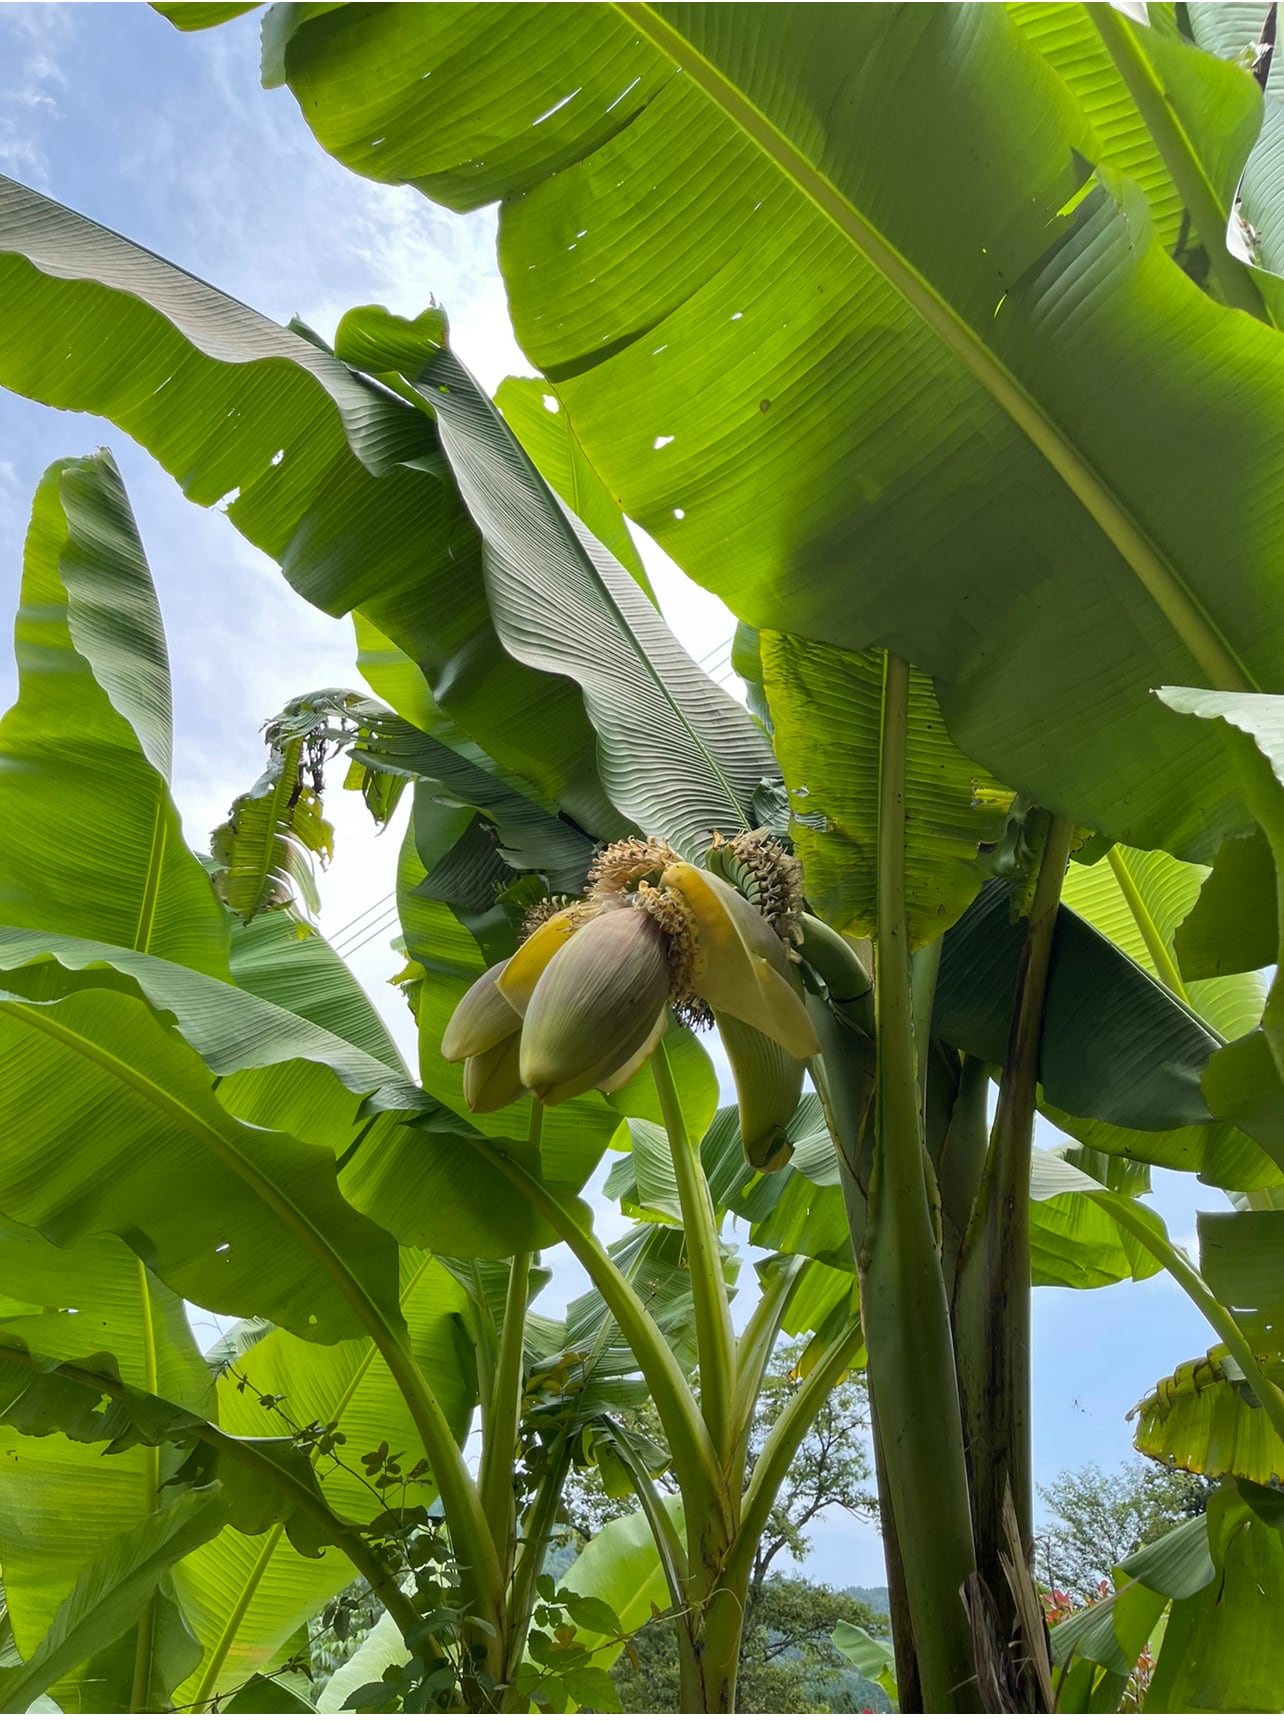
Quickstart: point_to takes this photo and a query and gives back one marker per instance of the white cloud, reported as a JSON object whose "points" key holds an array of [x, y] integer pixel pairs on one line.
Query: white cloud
{"points": [[31, 40]]}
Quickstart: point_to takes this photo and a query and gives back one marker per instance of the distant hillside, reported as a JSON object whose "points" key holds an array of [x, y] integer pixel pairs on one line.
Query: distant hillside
{"points": [[873, 1596]]}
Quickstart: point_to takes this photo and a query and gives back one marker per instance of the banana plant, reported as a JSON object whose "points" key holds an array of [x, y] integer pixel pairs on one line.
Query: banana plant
{"points": [[973, 277], [125, 1033], [254, 1106], [581, 1004], [897, 269], [266, 1068]]}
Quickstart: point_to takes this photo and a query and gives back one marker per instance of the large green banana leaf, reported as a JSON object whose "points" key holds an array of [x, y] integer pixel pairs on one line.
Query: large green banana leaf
{"points": [[1232, 926], [231, 1028], [336, 479], [1241, 1255], [622, 1567], [85, 753], [382, 1647], [653, 1260], [109, 1125], [1112, 1632], [1134, 1057], [245, 1596], [1210, 110], [351, 488], [264, 1483], [538, 420], [1243, 1084], [875, 354], [259, 1482], [197, 15], [111, 1593], [826, 714], [67, 1303], [1121, 1060], [527, 836], [1236, 31], [1222, 1649], [678, 755], [1138, 899], [285, 963]]}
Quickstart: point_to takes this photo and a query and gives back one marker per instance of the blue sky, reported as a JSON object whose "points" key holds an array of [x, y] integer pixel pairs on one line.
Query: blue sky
{"points": [[170, 140]]}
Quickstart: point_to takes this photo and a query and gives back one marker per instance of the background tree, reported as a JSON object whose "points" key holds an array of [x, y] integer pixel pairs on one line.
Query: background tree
{"points": [[1103, 1517], [787, 1661]]}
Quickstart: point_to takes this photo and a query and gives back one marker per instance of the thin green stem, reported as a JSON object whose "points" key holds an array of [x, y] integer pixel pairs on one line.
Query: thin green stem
{"points": [[906, 1316], [668, 1543], [754, 1349], [475, 1553], [502, 1409], [781, 1446], [145, 1645], [537, 1527], [1165, 966], [1218, 1317], [1208, 216], [503, 1414], [722, 1619], [715, 1336], [694, 1460], [139, 1695]]}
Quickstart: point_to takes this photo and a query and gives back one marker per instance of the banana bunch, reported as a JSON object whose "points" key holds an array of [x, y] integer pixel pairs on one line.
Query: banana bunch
{"points": [[584, 1001]]}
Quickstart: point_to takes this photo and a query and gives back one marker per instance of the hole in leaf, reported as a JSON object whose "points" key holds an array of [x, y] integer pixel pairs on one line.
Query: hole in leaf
{"points": [[557, 106]]}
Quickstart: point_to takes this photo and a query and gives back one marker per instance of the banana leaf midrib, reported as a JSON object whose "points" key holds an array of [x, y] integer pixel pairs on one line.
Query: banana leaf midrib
{"points": [[236, 1614], [1180, 607], [572, 541], [171, 1106]]}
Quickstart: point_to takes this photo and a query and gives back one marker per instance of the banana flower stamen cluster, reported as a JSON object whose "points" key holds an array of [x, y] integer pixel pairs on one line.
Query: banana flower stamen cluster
{"points": [[584, 1001]]}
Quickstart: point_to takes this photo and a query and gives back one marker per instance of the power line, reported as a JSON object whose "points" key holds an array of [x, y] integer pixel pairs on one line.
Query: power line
{"points": [[724, 647], [374, 908], [387, 926]]}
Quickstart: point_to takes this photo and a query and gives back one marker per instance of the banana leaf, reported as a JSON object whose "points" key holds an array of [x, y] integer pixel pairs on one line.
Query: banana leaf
{"points": [[93, 843], [890, 342]]}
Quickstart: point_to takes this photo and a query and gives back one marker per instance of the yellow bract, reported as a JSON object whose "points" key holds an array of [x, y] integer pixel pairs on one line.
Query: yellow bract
{"points": [[741, 968], [768, 1087], [519, 976]]}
